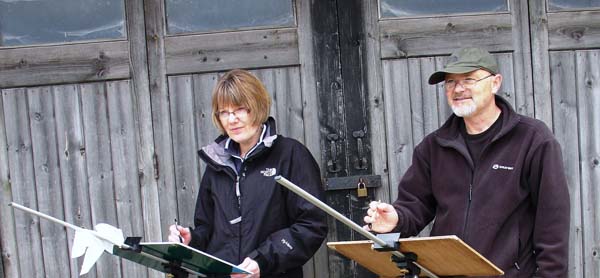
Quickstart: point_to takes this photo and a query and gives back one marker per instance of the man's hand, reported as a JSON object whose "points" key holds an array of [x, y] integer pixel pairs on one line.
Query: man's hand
{"points": [[381, 217], [180, 234], [250, 265]]}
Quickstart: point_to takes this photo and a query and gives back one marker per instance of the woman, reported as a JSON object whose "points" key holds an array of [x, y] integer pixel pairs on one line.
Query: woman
{"points": [[242, 215]]}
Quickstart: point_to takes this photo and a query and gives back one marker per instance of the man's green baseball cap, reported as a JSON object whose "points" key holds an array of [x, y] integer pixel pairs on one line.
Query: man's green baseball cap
{"points": [[466, 60]]}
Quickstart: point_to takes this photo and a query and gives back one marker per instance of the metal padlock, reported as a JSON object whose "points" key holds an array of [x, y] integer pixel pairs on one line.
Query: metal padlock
{"points": [[361, 189]]}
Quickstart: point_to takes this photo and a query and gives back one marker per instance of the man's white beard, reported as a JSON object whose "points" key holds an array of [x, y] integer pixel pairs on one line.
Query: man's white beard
{"points": [[464, 110]]}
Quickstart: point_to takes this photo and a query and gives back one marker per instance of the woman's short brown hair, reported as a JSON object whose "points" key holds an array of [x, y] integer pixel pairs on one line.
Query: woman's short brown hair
{"points": [[241, 88]]}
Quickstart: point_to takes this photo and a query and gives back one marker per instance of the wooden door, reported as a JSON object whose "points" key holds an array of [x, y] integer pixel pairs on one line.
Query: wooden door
{"points": [[75, 135], [106, 131], [565, 38], [547, 52], [184, 65]]}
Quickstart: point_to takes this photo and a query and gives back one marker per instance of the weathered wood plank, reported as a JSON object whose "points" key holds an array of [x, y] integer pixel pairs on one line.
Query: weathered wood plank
{"points": [[47, 180], [161, 123], [123, 152], [568, 30], [564, 110], [435, 36], [538, 24], [415, 84], [430, 95], [222, 51], [205, 130], [72, 63], [398, 127], [506, 68], [588, 93], [75, 188], [22, 174], [99, 166], [10, 259], [444, 110], [318, 266], [522, 70], [142, 116], [284, 86], [187, 178], [308, 84], [374, 86]]}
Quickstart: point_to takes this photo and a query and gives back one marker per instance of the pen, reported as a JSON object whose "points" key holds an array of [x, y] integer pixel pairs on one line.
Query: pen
{"points": [[176, 227]]}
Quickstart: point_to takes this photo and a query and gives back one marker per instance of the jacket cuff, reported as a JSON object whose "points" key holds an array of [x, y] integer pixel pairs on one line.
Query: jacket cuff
{"points": [[262, 262], [194, 241]]}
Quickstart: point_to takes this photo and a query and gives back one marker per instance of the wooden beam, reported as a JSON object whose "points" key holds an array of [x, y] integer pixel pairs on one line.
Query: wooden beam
{"points": [[224, 51], [72, 63], [570, 30], [437, 36]]}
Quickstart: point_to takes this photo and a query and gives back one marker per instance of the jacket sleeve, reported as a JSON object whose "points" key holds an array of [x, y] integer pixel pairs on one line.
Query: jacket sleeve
{"points": [[551, 196], [415, 203], [308, 223], [203, 215]]}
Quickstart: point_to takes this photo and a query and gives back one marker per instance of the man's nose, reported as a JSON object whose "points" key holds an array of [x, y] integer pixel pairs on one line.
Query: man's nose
{"points": [[459, 85]]}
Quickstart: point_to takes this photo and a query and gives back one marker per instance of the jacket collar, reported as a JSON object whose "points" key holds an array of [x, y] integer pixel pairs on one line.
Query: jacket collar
{"points": [[449, 134], [217, 153], [450, 130]]}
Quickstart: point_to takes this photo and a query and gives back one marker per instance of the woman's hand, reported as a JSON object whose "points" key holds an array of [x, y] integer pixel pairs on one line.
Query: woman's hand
{"points": [[250, 265], [180, 234]]}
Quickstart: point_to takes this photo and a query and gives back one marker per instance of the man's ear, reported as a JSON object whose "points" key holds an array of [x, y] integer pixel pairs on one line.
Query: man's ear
{"points": [[496, 83]]}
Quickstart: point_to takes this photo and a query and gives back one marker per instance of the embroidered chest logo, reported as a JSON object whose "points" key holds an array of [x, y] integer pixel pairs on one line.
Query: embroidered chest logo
{"points": [[269, 172], [502, 167]]}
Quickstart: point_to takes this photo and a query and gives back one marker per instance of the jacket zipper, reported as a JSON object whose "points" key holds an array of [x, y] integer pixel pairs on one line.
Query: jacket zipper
{"points": [[237, 193], [470, 200], [468, 210], [239, 200]]}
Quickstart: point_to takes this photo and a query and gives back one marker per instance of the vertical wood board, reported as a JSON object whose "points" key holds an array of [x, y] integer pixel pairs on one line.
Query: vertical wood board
{"points": [[565, 122], [47, 180], [588, 93], [72, 161], [22, 173], [398, 123], [187, 178], [99, 166], [10, 258], [124, 162]]}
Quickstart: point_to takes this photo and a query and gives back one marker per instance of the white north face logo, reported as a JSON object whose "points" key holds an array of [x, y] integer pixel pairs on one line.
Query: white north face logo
{"points": [[269, 172]]}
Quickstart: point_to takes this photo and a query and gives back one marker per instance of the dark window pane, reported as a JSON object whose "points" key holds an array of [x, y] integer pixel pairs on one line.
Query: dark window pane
{"points": [[207, 15], [557, 5], [24, 22], [405, 8]]}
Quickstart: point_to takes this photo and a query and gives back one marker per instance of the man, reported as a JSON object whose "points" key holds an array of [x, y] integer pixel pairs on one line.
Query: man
{"points": [[490, 176]]}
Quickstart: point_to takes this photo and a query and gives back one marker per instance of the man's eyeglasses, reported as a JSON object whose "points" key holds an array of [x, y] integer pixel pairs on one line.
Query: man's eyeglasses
{"points": [[239, 113], [465, 83]]}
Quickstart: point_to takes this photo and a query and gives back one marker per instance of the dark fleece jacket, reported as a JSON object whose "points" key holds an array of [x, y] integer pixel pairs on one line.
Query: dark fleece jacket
{"points": [[513, 207]]}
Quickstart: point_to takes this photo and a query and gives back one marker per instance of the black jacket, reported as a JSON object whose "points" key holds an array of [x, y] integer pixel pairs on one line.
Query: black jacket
{"points": [[513, 207], [278, 229]]}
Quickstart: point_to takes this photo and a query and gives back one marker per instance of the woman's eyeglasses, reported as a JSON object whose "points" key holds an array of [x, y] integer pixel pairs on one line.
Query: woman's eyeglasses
{"points": [[239, 113]]}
